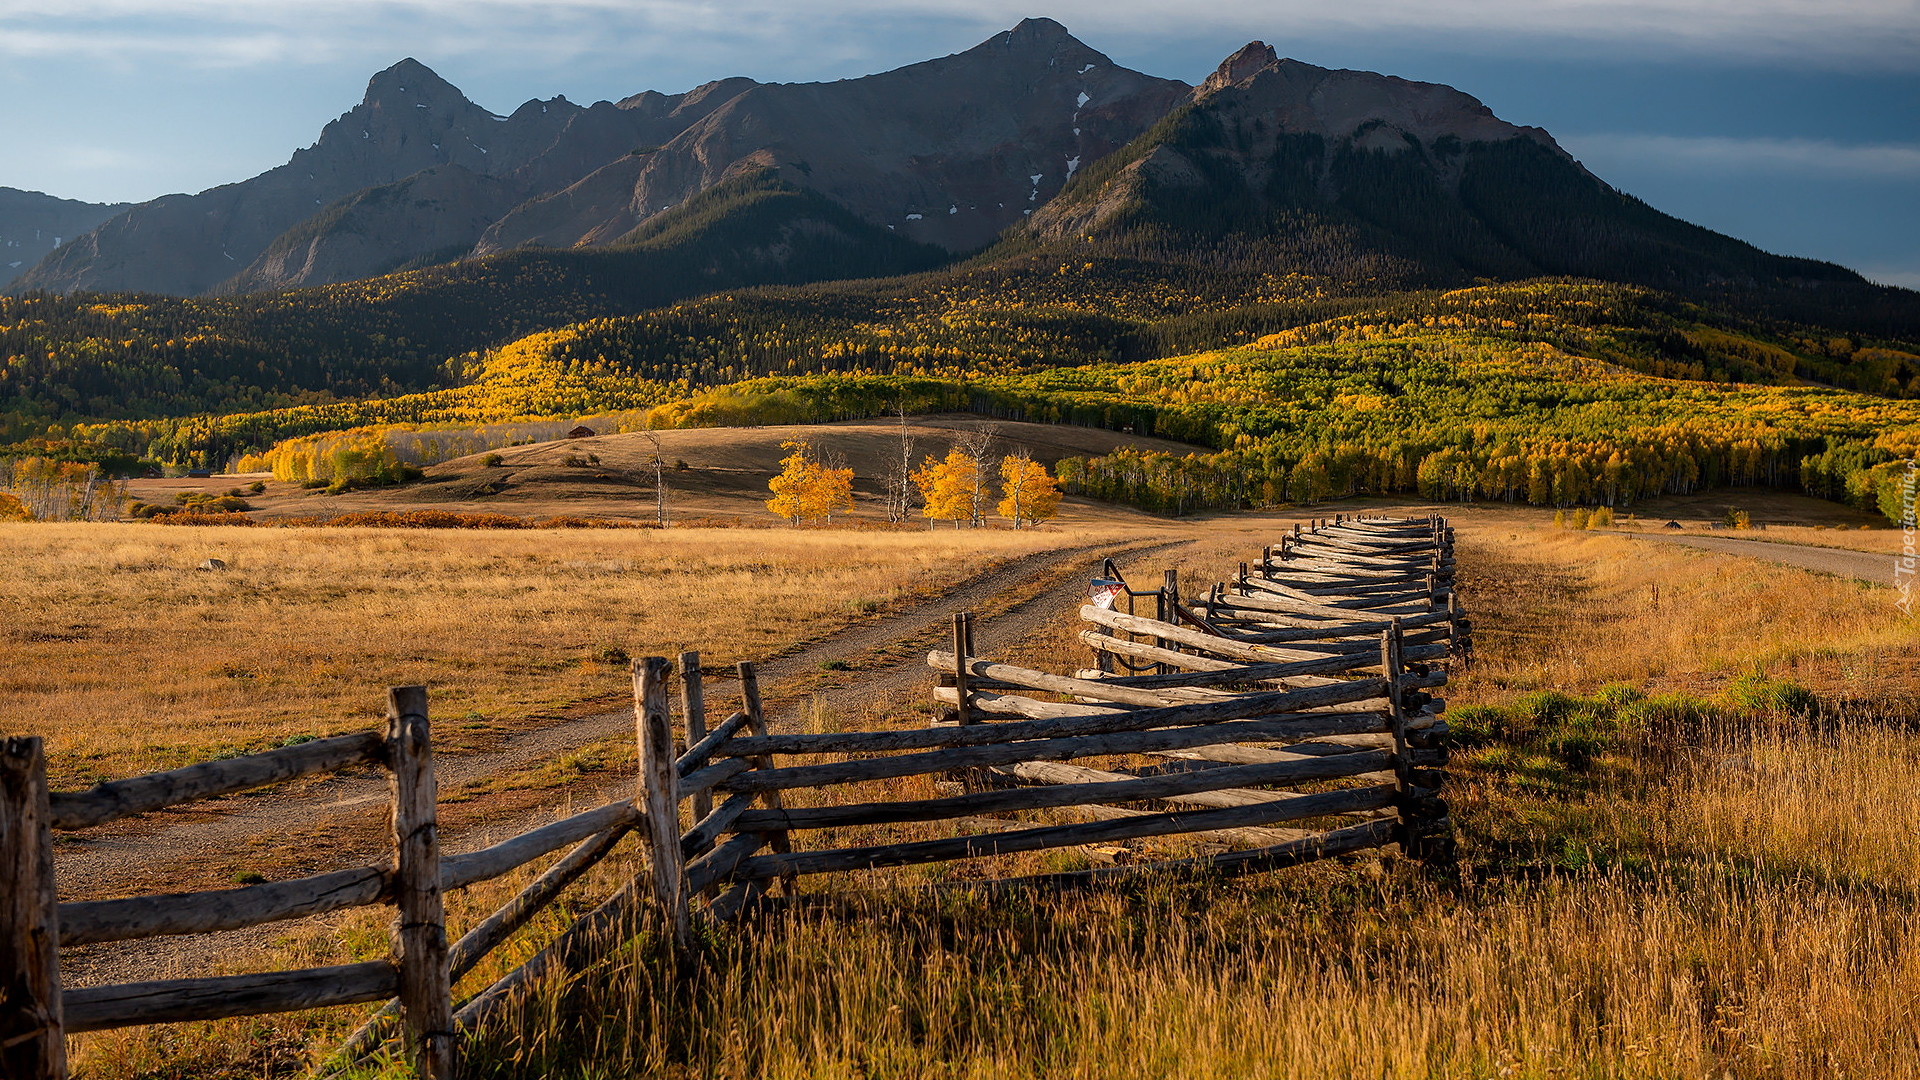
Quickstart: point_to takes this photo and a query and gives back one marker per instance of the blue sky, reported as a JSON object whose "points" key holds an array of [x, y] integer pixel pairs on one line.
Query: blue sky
{"points": [[1791, 123]]}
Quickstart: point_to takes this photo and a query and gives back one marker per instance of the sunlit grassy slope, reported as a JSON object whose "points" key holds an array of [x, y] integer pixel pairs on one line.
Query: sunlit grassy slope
{"points": [[1546, 393]]}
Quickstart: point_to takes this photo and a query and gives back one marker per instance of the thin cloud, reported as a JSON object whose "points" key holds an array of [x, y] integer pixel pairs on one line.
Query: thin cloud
{"points": [[1714, 153], [1882, 33], [200, 50]]}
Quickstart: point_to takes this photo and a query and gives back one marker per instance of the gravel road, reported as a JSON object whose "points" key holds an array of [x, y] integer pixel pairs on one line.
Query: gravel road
{"points": [[1865, 565]]}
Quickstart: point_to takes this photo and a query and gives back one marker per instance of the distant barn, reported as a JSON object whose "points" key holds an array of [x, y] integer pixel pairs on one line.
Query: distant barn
{"points": [[581, 432]]}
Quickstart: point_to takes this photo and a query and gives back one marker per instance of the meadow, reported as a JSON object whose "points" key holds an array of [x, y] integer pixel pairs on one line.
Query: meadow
{"points": [[1686, 848], [127, 658]]}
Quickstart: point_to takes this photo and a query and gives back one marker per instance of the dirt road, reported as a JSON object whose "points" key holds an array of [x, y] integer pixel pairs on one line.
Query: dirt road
{"points": [[1865, 565]]}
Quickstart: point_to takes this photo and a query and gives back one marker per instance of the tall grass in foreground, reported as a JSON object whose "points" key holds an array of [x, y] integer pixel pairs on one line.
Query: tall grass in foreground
{"points": [[1752, 910]]}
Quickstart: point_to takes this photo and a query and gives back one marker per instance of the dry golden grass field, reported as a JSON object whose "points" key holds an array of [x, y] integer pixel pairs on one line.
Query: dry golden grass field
{"points": [[1689, 841], [128, 658]]}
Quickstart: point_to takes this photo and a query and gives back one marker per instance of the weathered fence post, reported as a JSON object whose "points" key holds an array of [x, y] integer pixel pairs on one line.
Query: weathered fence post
{"points": [[1390, 669], [420, 925], [1169, 612], [961, 655], [32, 1044], [660, 791], [779, 841], [693, 707], [1453, 623]]}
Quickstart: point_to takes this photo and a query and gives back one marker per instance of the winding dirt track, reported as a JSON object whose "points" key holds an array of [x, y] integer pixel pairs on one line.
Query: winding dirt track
{"points": [[1864, 565], [884, 664]]}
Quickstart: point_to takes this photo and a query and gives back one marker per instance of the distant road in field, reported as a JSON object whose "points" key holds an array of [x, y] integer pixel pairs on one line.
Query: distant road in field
{"points": [[1866, 565]]}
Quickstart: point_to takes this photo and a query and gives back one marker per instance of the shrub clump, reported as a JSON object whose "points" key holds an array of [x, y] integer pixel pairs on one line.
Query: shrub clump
{"points": [[192, 504], [1575, 730]]}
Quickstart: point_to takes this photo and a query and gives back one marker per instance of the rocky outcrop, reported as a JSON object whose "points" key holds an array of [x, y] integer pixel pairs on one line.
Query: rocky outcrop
{"points": [[433, 215], [1262, 103], [33, 224]]}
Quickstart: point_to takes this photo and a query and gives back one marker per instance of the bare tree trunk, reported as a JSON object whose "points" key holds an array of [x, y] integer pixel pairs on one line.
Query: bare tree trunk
{"points": [[659, 481], [977, 445], [900, 477]]}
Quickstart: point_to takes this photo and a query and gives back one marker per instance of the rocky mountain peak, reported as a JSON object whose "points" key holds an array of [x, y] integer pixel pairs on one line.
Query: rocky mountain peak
{"points": [[1028, 33], [408, 83], [1035, 40], [1252, 57]]}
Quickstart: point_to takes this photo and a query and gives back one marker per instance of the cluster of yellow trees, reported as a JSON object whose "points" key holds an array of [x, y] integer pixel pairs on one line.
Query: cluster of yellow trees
{"points": [[808, 488], [957, 488]]}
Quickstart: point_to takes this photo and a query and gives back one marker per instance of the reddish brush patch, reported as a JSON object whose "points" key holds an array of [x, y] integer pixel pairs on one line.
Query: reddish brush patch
{"points": [[448, 519], [188, 518]]}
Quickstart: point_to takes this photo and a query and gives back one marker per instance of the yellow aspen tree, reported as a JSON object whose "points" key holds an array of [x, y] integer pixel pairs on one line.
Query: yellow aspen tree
{"points": [[949, 488], [831, 489], [1029, 494], [794, 489]]}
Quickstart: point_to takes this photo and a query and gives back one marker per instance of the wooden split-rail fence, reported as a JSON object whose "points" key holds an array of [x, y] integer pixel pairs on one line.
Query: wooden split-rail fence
{"points": [[1296, 694]]}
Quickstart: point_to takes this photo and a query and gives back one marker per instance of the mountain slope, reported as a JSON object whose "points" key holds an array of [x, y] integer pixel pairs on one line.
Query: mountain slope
{"points": [[949, 151], [409, 121], [1365, 176], [142, 356], [33, 224]]}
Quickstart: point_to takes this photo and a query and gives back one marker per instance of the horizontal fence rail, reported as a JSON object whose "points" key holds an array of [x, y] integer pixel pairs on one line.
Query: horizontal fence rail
{"points": [[1284, 716]]}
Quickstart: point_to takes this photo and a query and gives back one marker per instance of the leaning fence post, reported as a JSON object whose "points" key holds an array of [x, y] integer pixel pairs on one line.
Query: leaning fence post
{"points": [[757, 723], [32, 1044], [420, 927], [660, 791], [1169, 612], [1390, 668], [693, 706], [961, 656]]}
